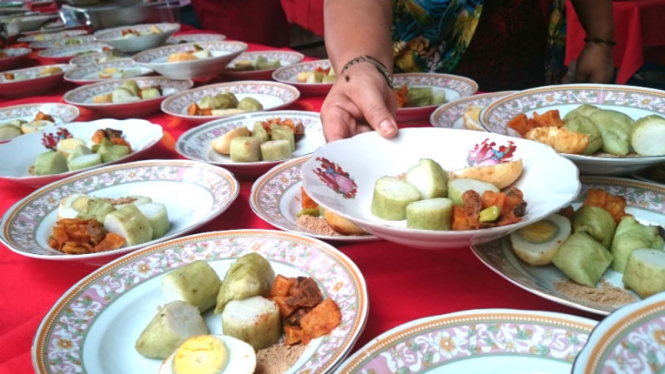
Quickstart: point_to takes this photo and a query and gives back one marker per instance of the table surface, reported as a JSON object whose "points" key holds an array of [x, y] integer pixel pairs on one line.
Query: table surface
{"points": [[403, 283]]}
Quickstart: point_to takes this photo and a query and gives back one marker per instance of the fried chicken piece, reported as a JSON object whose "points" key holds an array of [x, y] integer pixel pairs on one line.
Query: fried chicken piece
{"points": [[561, 139]]}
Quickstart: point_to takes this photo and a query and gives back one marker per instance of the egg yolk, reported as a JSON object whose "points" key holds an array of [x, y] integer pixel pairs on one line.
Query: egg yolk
{"points": [[539, 232], [203, 354]]}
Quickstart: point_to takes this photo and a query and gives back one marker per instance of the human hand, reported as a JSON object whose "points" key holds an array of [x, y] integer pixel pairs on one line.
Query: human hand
{"points": [[595, 64], [359, 104]]}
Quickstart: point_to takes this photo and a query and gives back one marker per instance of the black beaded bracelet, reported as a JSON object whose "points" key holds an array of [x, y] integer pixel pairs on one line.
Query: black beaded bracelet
{"points": [[600, 41], [378, 64]]}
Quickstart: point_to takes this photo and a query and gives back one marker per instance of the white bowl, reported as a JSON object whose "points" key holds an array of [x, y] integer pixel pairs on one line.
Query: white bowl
{"points": [[113, 37], [90, 73], [34, 84], [26, 23], [51, 36], [195, 143], [285, 58], [99, 58], [271, 95], [195, 38], [194, 193], [549, 181], [451, 115], [83, 96], [66, 54], [222, 53], [636, 102], [61, 113], [21, 153], [14, 57], [65, 42], [289, 75]]}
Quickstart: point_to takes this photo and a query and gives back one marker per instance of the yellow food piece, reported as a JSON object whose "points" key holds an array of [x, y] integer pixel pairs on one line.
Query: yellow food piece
{"points": [[155, 30], [471, 118], [203, 354], [501, 175], [50, 70], [560, 138], [103, 99], [342, 225], [181, 56], [108, 73]]}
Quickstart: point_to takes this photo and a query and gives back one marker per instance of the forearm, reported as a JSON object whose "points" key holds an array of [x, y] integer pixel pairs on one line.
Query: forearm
{"points": [[357, 28], [596, 17]]}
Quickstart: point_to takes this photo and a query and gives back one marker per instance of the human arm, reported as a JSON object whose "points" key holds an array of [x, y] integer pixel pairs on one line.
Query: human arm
{"points": [[594, 63], [360, 98]]}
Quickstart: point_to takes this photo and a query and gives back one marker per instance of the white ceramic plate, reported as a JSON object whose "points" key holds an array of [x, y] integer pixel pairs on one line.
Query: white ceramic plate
{"points": [[275, 198], [194, 193], [65, 42], [289, 75], [21, 153], [99, 58], [90, 73], [636, 102], [113, 37], [285, 58], [497, 341], [195, 38], [222, 53], [271, 95], [629, 341], [14, 57], [451, 115], [454, 87], [61, 113], [83, 96], [195, 143], [65, 54], [341, 175], [124, 296], [33, 84], [643, 200], [51, 36]]}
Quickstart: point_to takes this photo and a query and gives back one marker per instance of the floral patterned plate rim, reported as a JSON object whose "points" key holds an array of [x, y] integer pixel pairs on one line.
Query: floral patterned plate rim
{"points": [[287, 58], [65, 112], [451, 115], [275, 198], [94, 58], [226, 47], [475, 339], [74, 50], [48, 44], [83, 315], [630, 341], [194, 193], [15, 52], [51, 36], [33, 74], [645, 201], [195, 38], [82, 96], [116, 32], [455, 86], [195, 143], [90, 73], [287, 74]]}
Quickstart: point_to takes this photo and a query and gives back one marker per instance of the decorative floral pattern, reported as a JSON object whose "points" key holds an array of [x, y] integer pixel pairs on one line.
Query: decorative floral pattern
{"points": [[15, 52], [33, 74], [463, 86], [51, 36], [448, 114], [336, 178], [91, 72], [20, 226], [73, 50], [54, 43], [62, 113], [84, 95], [59, 346], [484, 154], [195, 38], [498, 254], [438, 341], [94, 58], [216, 48]]}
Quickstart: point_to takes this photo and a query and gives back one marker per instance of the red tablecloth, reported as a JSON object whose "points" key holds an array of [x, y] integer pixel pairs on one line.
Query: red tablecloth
{"points": [[403, 283], [637, 24]]}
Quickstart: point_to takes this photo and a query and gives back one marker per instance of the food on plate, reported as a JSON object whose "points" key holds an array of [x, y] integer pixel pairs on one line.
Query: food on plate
{"points": [[408, 97], [198, 53], [259, 63], [430, 214], [50, 70], [196, 283], [582, 259], [429, 178], [117, 73], [251, 275], [629, 236], [223, 104], [492, 166], [645, 272], [44, 72], [589, 130], [157, 218], [537, 243], [471, 118], [318, 75], [66, 153], [255, 320], [131, 33], [10, 130], [391, 197], [173, 324], [129, 91], [3, 54], [457, 188], [211, 354], [88, 224], [595, 221], [324, 222], [270, 140], [109, 56]]}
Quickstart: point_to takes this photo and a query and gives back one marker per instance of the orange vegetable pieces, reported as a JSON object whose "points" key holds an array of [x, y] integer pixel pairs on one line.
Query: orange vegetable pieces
{"points": [[306, 201], [294, 335], [43, 117], [322, 319], [111, 241], [615, 205], [472, 207], [285, 309], [76, 236], [522, 124], [491, 198], [193, 110], [400, 96], [98, 136], [460, 219], [282, 285], [549, 118]]}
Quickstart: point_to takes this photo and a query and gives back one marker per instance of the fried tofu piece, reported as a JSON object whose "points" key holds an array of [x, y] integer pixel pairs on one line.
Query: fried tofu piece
{"points": [[549, 118], [110, 242], [285, 309], [282, 285], [460, 219], [522, 124], [561, 139], [322, 319], [294, 335], [306, 201]]}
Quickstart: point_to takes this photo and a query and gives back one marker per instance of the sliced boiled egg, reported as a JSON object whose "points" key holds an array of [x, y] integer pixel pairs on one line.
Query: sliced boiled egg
{"points": [[211, 354], [537, 243], [71, 205], [35, 126], [66, 146]]}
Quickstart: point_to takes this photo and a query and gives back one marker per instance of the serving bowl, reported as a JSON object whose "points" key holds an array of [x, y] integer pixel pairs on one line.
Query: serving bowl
{"points": [[66, 54], [83, 96], [271, 95], [65, 42], [285, 58], [33, 83], [99, 58], [61, 113], [14, 57], [114, 37], [289, 75], [91, 73], [195, 38], [195, 143], [636, 102], [341, 175], [451, 115], [222, 53], [20, 154], [194, 193]]}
